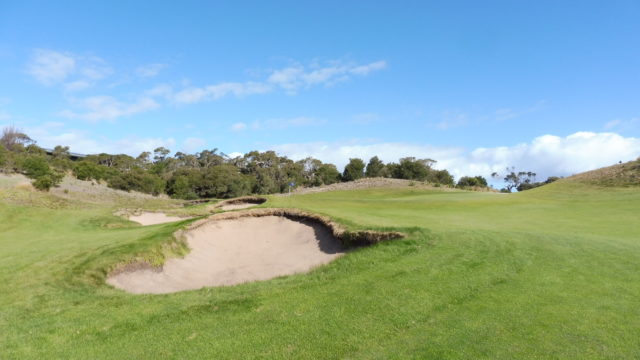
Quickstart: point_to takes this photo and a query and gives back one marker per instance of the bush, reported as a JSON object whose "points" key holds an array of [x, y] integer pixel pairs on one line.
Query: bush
{"points": [[223, 181], [138, 180], [182, 183], [35, 167], [86, 170], [44, 183], [354, 170], [472, 181], [440, 177]]}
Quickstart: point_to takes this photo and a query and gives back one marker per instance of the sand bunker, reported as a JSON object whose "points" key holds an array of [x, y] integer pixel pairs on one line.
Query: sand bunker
{"points": [[153, 218], [238, 250], [240, 203]]}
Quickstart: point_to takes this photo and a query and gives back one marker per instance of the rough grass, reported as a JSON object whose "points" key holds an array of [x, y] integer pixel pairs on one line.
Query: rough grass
{"points": [[552, 272], [626, 174]]}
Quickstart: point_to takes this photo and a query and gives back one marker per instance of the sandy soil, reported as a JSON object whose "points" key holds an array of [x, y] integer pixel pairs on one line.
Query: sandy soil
{"points": [[237, 206], [229, 252], [153, 218]]}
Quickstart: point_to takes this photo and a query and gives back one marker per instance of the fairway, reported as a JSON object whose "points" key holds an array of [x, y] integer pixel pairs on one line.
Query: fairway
{"points": [[552, 272]]}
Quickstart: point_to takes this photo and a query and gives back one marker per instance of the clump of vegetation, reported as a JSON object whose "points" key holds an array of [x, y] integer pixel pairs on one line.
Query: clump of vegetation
{"points": [[206, 174], [472, 182], [621, 174], [522, 180]]}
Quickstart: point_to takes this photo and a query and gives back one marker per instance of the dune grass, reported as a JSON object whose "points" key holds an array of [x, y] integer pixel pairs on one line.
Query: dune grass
{"points": [[553, 272]]}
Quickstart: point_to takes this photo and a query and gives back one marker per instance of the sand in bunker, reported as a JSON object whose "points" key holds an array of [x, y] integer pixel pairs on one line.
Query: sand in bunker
{"points": [[229, 252], [151, 218], [237, 206]]}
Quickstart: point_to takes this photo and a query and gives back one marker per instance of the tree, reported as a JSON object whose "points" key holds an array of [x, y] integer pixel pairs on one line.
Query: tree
{"points": [[327, 174], [35, 167], [519, 180], [354, 170], [440, 177], [375, 167], [411, 168], [472, 181], [160, 154], [60, 151], [14, 139]]}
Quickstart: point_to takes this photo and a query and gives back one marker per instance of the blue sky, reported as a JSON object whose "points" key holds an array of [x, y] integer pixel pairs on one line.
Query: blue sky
{"points": [[546, 86]]}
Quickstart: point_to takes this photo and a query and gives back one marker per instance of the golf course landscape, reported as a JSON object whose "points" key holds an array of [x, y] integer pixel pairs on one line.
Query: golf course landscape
{"points": [[548, 273]]}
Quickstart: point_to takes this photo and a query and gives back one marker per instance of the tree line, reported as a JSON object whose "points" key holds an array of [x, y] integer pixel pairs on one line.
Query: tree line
{"points": [[205, 174]]}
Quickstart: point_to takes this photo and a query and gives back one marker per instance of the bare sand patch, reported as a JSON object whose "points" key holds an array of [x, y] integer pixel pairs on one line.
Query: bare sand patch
{"points": [[244, 202], [153, 218], [237, 206], [231, 251]]}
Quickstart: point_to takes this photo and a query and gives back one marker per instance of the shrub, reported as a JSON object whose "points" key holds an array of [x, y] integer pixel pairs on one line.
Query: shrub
{"points": [[44, 183], [138, 180], [354, 170], [440, 177], [86, 170], [35, 167], [472, 181]]}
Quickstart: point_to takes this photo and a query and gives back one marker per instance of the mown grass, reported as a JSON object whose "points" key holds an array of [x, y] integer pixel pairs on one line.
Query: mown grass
{"points": [[549, 273]]}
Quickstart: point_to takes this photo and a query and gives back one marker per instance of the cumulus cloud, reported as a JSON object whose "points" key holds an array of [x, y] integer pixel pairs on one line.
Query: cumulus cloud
{"points": [[547, 155], [290, 79], [215, 92], [98, 108], [52, 134], [296, 77], [150, 70], [50, 67], [74, 72]]}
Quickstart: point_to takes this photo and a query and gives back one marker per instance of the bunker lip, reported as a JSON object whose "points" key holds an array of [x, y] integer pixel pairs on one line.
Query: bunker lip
{"points": [[242, 202], [238, 247], [146, 218]]}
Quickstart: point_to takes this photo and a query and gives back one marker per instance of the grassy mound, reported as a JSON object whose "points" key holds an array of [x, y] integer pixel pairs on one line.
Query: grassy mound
{"points": [[626, 174]]}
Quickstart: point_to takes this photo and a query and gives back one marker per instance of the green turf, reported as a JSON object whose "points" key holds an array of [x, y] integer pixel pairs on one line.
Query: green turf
{"points": [[552, 273]]}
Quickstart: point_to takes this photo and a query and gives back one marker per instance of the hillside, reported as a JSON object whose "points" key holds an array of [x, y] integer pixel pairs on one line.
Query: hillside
{"points": [[626, 174]]}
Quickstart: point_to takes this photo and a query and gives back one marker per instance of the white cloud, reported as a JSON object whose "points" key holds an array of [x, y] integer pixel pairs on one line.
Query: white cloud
{"points": [[239, 126], [150, 70], [50, 67], [235, 154], [622, 124], [296, 77], [546, 155], [215, 92], [290, 79], [366, 69], [97, 108], [193, 144], [83, 142]]}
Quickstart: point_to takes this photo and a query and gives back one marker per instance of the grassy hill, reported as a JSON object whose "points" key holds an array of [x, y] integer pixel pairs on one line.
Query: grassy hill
{"points": [[626, 174], [552, 272]]}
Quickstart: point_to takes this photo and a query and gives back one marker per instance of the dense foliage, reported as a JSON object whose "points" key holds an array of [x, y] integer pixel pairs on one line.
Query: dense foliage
{"points": [[206, 174]]}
